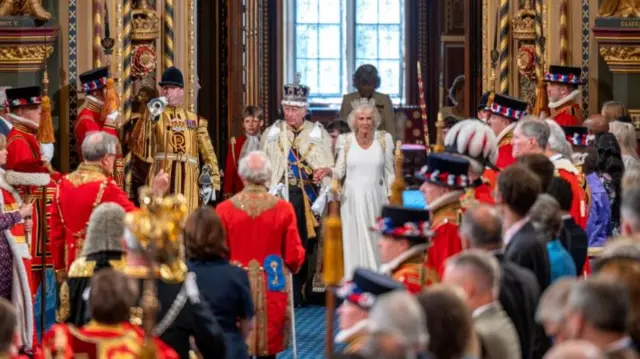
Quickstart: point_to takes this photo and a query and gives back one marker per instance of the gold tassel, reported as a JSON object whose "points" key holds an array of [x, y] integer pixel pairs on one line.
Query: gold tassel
{"points": [[439, 147], [333, 266], [111, 100], [45, 130], [398, 186], [542, 100]]}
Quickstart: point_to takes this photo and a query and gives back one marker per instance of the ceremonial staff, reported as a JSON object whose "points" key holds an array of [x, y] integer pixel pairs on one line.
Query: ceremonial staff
{"points": [[333, 264], [423, 110], [398, 186], [541, 106]]}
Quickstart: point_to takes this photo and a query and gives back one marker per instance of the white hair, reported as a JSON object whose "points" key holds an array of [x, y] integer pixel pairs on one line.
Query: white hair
{"points": [[97, 145], [351, 120], [552, 306], [255, 168], [558, 141], [399, 314], [626, 135], [3, 95], [473, 139]]}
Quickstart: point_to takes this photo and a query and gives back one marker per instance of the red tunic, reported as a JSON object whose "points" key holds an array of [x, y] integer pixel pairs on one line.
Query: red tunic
{"points": [[491, 178], [77, 194], [413, 273], [446, 241], [90, 120], [232, 183], [569, 114], [505, 148], [100, 341], [259, 225], [569, 173]]}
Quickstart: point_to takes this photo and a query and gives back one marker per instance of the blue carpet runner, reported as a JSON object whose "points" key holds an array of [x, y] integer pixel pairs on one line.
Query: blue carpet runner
{"points": [[310, 328]]}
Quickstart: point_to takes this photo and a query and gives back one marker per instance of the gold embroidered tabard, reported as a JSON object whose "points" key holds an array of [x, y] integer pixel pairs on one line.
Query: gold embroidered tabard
{"points": [[176, 143], [254, 200]]}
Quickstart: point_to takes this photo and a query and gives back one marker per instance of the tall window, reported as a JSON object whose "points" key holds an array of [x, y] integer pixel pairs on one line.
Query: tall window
{"points": [[331, 38]]}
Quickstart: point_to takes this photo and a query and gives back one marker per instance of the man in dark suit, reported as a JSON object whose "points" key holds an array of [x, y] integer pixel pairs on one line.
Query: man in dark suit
{"points": [[518, 190], [482, 229], [572, 236]]}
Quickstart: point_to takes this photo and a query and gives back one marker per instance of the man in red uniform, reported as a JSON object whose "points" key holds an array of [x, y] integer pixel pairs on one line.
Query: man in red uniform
{"points": [[79, 192], [108, 335], [263, 238], [475, 141], [563, 92], [252, 121], [505, 111], [533, 137], [92, 117], [403, 246], [444, 180]]}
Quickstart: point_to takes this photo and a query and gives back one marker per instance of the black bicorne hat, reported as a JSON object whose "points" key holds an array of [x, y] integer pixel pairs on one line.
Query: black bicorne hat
{"points": [[577, 136], [486, 100], [445, 169], [94, 79], [366, 286], [564, 74], [23, 96], [172, 77], [508, 107]]}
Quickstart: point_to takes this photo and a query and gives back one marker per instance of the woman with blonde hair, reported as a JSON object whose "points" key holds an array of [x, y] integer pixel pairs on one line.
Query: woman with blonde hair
{"points": [[626, 135], [615, 111], [365, 165]]}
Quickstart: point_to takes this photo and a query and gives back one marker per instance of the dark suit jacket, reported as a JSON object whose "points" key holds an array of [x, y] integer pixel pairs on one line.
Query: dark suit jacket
{"points": [[575, 241], [519, 296], [194, 320], [528, 249]]}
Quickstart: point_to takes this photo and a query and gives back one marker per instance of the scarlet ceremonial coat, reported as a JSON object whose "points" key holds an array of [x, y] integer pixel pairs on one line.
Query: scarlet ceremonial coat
{"points": [[232, 183], [568, 172], [90, 120], [23, 148], [263, 238], [76, 196], [445, 213], [100, 341], [409, 269], [479, 193], [505, 147], [569, 114]]}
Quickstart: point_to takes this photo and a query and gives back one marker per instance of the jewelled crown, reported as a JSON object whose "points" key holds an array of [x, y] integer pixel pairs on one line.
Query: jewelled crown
{"points": [[146, 23], [363, 102], [296, 94]]}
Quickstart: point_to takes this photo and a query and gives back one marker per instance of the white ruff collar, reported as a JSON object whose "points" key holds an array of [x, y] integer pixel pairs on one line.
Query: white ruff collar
{"points": [[387, 268], [94, 100], [23, 121], [344, 335], [444, 200], [572, 96]]}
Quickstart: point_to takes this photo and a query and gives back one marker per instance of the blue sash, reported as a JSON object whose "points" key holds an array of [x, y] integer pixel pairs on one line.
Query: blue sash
{"points": [[299, 174], [274, 268]]}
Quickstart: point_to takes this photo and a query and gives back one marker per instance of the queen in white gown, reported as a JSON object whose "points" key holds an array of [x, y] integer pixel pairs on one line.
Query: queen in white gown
{"points": [[365, 166]]}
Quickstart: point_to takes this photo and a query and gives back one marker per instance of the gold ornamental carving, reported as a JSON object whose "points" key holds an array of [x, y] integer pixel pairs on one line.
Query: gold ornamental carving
{"points": [[623, 59], [145, 24], [523, 25], [30, 8], [25, 53], [619, 8]]}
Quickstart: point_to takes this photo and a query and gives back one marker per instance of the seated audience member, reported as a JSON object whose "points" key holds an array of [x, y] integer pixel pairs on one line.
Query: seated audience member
{"points": [[609, 168], [575, 349], [102, 249], [478, 274], [335, 129], [573, 238], [599, 220], [225, 286], [398, 328], [518, 189], [626, 136], [541, 165], [482, 229], [108, 335], [449, 324], [598, 311], [630, 212], [354, 310], [551, 311], [620, 262], [547, 219], [631, 177]]}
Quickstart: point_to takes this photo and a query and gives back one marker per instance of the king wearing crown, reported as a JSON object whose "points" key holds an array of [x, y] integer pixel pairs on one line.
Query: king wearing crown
{"points": [[300, 153]]}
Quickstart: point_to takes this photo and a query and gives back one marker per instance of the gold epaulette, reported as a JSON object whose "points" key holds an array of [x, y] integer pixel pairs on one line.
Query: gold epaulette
{"points": [[82, 268], [451, 213]]}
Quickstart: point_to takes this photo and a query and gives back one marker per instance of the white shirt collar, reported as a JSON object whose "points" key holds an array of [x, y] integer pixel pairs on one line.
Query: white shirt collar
{"points": [[509, 233], [481, 309]]}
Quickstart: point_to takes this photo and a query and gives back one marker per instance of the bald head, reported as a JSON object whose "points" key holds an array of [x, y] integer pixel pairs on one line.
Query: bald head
{"points": [[255, 168], [482, 228], [578, 349]]}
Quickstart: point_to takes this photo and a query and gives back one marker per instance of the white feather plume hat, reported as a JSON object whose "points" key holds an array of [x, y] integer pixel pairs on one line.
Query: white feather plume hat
{"points": [[473, 139]]}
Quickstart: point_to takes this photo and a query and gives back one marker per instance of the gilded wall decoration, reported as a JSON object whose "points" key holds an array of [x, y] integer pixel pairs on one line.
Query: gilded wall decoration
{"points": [[30, 8], [25, 53], [620, 54], [619, 8]]}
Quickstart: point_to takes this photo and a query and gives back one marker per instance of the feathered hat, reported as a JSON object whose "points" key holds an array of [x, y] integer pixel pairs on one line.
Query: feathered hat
{"points": [[474, 140]]}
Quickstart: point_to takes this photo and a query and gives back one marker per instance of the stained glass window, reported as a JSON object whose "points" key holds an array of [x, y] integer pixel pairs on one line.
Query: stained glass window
{"points": [[326, 56]]}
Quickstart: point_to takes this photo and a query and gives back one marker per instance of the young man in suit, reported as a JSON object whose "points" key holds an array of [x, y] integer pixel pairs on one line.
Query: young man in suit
{"points": [[518, 189], [477, 272], [252, 122], [481, 228]]}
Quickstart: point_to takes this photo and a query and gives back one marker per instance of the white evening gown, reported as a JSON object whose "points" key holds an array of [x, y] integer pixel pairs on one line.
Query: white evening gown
{"points": [[368, 174]]}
